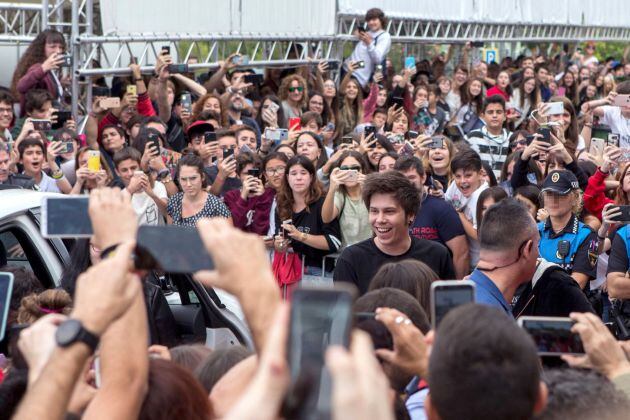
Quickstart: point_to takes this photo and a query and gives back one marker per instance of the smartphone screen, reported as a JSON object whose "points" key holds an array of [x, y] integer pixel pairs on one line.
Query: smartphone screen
{"points": [[65, 217], [600, 132], [552, 335], [319, 318], [446, 295], [624, 216], [186, 101], [6, 286], [173, 255]]}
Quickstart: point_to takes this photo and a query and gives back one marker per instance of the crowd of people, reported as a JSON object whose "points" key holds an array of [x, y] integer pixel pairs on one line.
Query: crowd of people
{"points": [[513, 175]]}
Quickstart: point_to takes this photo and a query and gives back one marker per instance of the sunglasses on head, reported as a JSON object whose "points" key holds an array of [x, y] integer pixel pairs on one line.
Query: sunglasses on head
{"points": [[293, 89]]}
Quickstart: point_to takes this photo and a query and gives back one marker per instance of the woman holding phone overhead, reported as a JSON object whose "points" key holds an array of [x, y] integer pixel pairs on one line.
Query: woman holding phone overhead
{"points": [[194, 202], [298, 219]]}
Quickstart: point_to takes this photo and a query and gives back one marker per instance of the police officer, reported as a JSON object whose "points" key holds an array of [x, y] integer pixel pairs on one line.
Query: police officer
{"points": [[618, 261], [564, 240], [9, 178]]}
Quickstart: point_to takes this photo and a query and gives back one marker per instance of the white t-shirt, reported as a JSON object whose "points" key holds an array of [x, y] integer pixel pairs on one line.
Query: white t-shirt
{"points": [[147, 211], [371, 55], [469, 205], [618, 124], [48, 184]]}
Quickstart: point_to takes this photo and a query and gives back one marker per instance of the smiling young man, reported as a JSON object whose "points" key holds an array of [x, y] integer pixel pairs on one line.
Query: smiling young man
{"points": [[392, 202], [492, 141]]}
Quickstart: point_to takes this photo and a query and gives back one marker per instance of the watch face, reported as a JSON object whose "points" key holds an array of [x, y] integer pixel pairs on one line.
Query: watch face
{"points": [[67, 332]]}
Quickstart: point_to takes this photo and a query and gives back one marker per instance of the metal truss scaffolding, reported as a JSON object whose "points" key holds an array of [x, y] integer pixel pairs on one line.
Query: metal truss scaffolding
{"points": [[109, 55]]}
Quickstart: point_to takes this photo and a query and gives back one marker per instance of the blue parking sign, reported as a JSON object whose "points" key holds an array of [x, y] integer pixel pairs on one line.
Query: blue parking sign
{"points": [[490, 55]]}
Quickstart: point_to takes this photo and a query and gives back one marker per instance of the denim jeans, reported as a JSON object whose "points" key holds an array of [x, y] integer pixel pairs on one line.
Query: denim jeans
{"points": [[313, 277]]}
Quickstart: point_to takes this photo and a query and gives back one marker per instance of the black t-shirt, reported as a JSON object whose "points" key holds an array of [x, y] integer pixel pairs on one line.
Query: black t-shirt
{"points": [[310, 221], [442, 179], [359, 262], [436, 220]]}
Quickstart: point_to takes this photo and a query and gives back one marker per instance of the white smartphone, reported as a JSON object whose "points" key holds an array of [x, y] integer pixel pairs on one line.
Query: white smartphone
{"points": [[555, 108], [447, 295], [621, 100], [597, 146], [65, 217]]}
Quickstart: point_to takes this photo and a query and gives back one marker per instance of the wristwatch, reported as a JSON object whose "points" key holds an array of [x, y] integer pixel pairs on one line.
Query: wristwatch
{"points": [[72, 331]]}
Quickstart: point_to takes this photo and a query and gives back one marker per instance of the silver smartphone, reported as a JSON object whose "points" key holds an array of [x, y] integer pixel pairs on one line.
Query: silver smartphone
{"points": [[449, 294]]}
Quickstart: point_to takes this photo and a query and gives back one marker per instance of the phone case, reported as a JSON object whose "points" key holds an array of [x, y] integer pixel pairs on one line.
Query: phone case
{"points": [[94, 160]]}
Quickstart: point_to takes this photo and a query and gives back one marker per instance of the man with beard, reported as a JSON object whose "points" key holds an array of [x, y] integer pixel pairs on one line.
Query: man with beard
{"points": [[236, 104]]}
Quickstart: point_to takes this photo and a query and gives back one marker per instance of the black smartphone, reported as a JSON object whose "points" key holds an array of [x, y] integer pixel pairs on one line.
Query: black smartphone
{"points": [[186, 101], [42, 125], [477, 44], [166, 49], [172, 255], [62, 117], [255, 172], [412, 134], [319, 318], [398, 101], [333, 65], [100, 91], [209, 136], [346, 140], [552, 335], [254, 79], [65, 217], [6, 288], [227, 152], [154, 139], [624, 216], [449, 294], [545, 133], [361, 28], [67, 60], [369, 129], [177, 68]]}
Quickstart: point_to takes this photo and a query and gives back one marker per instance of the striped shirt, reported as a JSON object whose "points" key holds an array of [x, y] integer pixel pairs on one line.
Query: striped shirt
{"points": [[492, 149]]}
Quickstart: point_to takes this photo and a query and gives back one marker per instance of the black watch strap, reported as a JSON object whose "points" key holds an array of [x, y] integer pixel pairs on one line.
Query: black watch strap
{"points": [[72, 331]]}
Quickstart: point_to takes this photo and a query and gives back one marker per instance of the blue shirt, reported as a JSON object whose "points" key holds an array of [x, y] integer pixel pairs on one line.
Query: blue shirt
{"points": [[488, 293]]}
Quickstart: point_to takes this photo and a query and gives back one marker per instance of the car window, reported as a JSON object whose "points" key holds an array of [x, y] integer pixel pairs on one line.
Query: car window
{"points": [[12, 251]]}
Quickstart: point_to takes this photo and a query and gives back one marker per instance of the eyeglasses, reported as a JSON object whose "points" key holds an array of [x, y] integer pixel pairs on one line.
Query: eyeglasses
{"points": [[293, 89], [350, 167], [273, 171]]}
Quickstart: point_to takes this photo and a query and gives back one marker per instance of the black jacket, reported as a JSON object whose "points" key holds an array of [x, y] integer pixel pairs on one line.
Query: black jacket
{"points": [[162, 327], [554, 293]]}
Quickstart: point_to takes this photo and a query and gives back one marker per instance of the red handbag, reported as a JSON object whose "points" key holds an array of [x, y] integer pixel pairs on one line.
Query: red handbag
{"points": [[287, 269]]}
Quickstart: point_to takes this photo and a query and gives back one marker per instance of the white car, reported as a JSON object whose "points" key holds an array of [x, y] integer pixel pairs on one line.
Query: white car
{"points": [[199, 312]]}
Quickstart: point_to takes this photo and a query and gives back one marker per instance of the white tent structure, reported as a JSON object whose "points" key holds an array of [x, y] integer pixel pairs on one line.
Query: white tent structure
{"points": [[288, 32]]}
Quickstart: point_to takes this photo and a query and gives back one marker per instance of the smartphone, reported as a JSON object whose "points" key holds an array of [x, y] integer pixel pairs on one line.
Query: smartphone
{"points": [[166, 49], [255, 172], [545, 133], [177, 68], [361, 64], [353, 175], [186, 101], [42, 125], [437, 142], [100, 91], [65, 217], [600, 132], [361, 28], [173, 256], [109, 103], [448, 294], [612, 140], [62, 117], [227, 152], [407, 149], [94, 160], [68, 147], [410, 62], [477, 44], [333, 65], [552, 335], [621, 100], [132, 89], [294, 123], [597, 146], [398, 101], [346, 140], [209, 136], [396, 139], [6, 288], [67, 60], [369, 129], [412, 135], [154, 139], [555, 108], [320, 317], [274, 107], [624, 217], [276, 135], [254, 79], [241, 60]]}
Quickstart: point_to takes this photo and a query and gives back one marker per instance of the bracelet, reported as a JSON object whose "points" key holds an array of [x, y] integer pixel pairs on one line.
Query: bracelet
{"points": [[57, 175], [109, 251], [304, 236], [166, 180], [589, 125]]}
